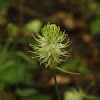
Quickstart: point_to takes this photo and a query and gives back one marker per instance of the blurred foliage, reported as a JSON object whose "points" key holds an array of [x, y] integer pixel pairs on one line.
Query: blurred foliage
{"points": [[78, 94], [76, 64], [74, 94], [2, 20], [31, 94], [14, 71], [92, 8], [39, 97], [95, 27], [12, 30], [33, 26], [25, 92], [4, 4], [15, 65]]}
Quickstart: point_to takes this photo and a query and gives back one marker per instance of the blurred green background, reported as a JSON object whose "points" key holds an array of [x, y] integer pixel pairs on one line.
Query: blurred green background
{"points": [[22, 78]]}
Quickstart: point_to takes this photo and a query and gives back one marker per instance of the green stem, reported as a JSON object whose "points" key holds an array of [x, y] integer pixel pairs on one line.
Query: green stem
{"points": [[56, 85]]}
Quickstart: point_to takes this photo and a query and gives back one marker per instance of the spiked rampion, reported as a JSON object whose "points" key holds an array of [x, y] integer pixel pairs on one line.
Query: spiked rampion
{"points": [[49, 48]]}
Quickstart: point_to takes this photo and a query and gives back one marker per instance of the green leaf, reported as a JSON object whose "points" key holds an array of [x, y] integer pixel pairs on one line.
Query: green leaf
{"points": [[76, 64], [72, 64], [31, 64], [25, 92], [24, 56], [65, 71], [14, 73], [6, 65]]}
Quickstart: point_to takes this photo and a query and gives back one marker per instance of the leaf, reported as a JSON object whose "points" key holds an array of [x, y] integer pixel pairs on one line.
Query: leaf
{"points": [[24, 56], [76, 64], [31, 64], [65, 71], [25, 92], [6, 65], [71, 64], [15, 73]]}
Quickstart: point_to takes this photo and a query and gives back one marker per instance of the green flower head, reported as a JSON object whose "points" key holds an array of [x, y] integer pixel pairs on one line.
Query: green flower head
{"points": [[49, 48], [74, 94]]}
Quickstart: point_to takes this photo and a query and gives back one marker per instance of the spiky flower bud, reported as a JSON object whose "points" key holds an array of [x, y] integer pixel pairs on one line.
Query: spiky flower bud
{"points": [[50, 49]]}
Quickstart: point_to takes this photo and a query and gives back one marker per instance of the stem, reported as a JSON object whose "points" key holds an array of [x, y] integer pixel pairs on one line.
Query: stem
{"points": [[56, 85]]}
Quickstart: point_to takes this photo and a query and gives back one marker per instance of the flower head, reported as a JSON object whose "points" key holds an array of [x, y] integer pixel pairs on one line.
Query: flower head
{"points": [[74, 94], [49, 48]]}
